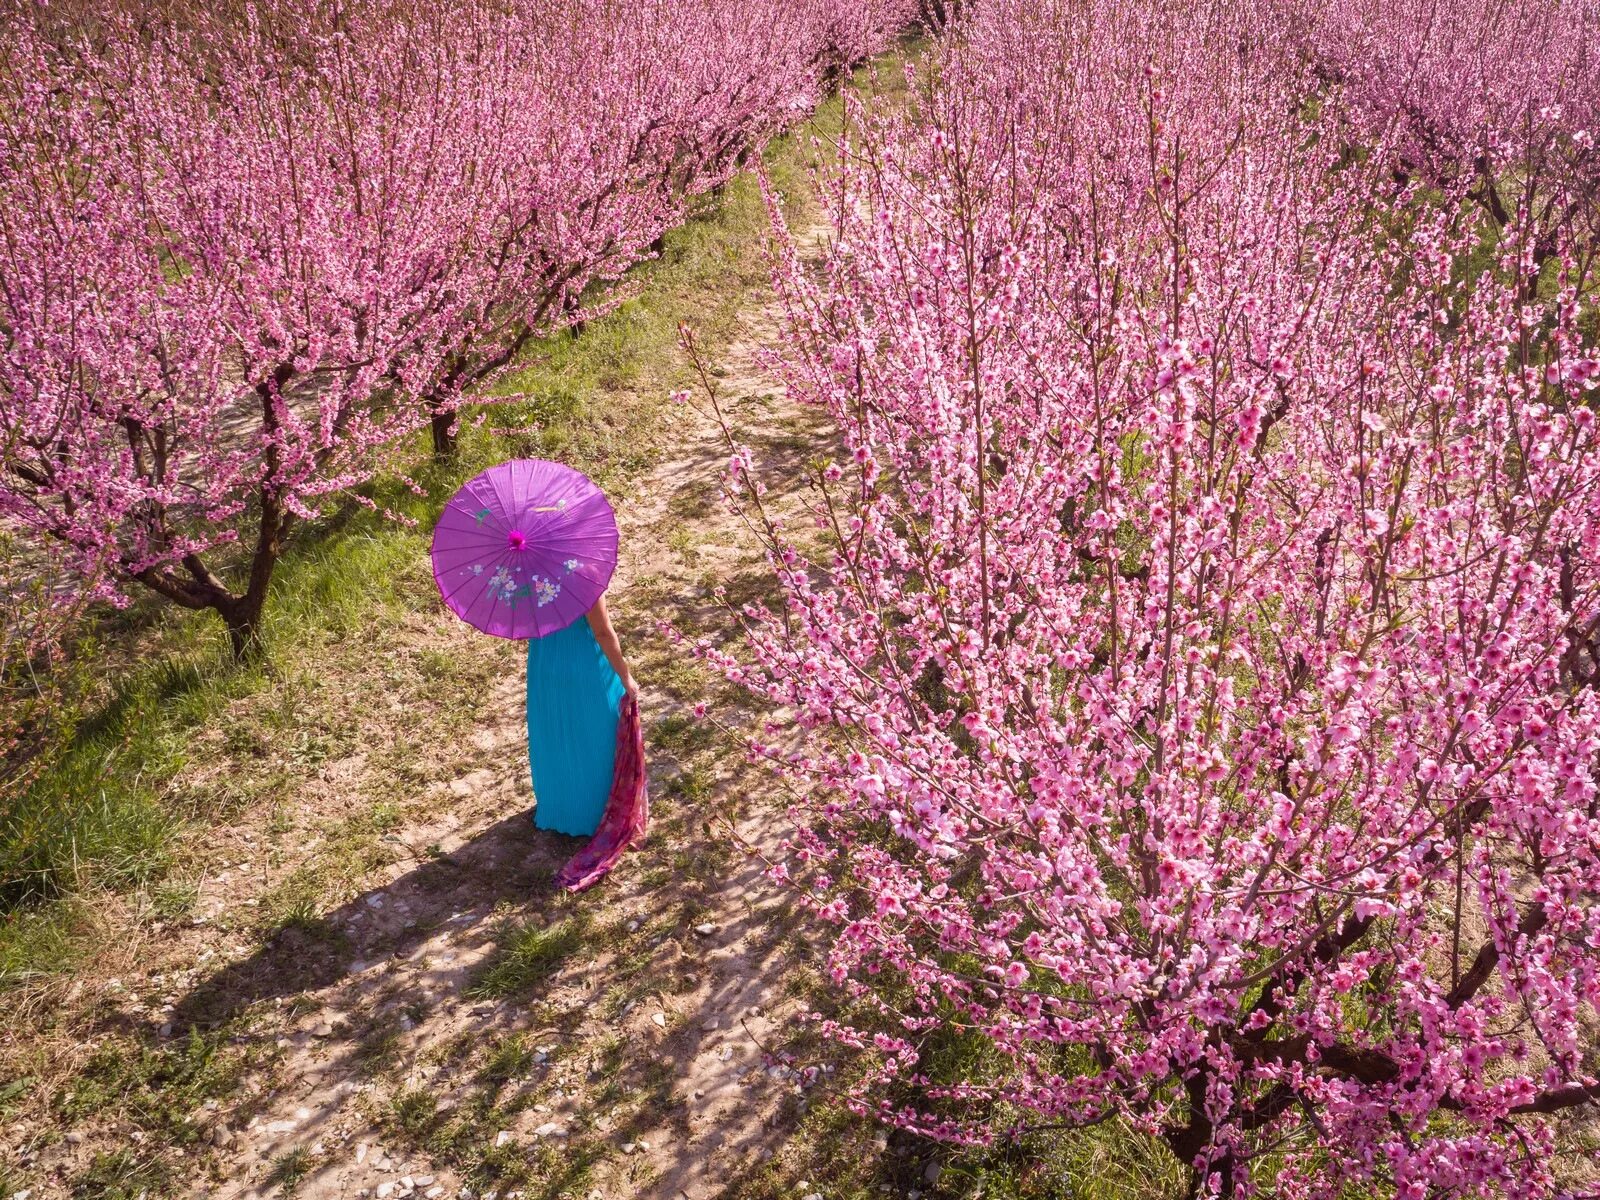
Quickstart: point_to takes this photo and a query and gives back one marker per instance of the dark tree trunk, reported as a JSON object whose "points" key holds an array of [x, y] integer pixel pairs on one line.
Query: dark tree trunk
{"points": [[937, 14], [445, 427], [242, 616], [569, 306], [241, 612]]}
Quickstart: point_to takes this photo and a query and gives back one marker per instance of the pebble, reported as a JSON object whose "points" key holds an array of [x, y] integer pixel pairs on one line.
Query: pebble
{"points": [[423, 1181], [500, 1139], [74, 1138], [932, 1172], [385, 1190], [629, 1147], [550, 1129], [433, 1193], [659, 1020], [710, 1025], [705, 930]]}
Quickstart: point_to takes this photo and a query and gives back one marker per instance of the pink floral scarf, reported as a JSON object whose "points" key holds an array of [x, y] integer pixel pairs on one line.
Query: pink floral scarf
{"points": [[627, 808]]}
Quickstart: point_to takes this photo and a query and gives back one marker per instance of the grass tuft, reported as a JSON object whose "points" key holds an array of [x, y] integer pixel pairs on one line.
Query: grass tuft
{"points": [[123, 1175], [510, 1059], [528, 955], [290, 1169]]}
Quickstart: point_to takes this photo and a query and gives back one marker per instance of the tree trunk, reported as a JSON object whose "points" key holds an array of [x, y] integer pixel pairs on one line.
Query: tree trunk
{"points": [[445, 429], [242, 613], [242, 616], [938, 14], [570, 306]]}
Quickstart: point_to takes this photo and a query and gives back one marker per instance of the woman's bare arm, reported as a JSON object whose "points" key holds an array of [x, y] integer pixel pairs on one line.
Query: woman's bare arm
{"points": [[600, 622]]}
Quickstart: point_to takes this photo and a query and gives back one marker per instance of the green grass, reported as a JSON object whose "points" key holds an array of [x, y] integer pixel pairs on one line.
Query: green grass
{"points": [[511, 1058], [123, 1175], [288, 1170], [526, 957], [414, 1111], [154, 1087], [41, 942]]}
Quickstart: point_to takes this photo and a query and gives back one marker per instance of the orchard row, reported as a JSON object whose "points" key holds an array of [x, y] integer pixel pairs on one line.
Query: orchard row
{"points": [[1202, 689], [246, 247]]}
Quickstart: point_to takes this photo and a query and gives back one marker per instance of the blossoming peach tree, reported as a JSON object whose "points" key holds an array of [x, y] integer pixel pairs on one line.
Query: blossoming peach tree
{"points": [[247, 253], [1196, 660]]}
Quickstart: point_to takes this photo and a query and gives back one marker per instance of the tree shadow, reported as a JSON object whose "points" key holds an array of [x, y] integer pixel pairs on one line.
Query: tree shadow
{"points": [[509, 862], [392, 978]]}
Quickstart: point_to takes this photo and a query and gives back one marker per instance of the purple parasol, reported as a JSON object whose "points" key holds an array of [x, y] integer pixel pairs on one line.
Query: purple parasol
{"points": [[525, 548]]}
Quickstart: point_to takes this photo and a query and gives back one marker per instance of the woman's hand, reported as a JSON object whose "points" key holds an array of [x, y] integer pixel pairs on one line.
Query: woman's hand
{"points": [[630, 687]]}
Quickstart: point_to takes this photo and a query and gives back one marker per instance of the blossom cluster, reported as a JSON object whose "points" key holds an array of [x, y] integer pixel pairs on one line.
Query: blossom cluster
{"points": [[1198, 683], [247, 248]]}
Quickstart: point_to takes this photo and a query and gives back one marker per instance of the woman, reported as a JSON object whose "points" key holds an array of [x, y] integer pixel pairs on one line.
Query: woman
{"points": [[577, 678]]}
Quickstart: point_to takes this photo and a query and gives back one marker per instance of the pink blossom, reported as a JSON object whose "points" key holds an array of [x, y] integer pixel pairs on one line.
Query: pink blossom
{"points": [[1218, 638]]}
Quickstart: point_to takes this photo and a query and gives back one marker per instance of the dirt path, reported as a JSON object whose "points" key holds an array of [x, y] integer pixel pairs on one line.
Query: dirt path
{"points": [[457, 1027]]}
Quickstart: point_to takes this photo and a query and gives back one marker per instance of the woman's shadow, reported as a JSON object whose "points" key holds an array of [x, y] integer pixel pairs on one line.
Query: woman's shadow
{"points": [[507, 869]]}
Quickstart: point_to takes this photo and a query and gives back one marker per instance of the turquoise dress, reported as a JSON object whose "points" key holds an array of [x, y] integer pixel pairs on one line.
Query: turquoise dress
{"points": [[573, 699]]}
